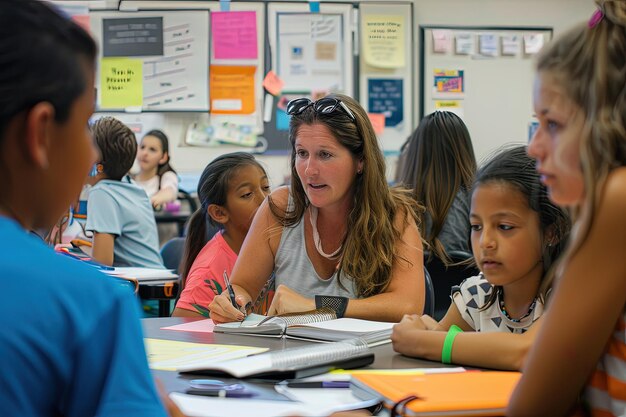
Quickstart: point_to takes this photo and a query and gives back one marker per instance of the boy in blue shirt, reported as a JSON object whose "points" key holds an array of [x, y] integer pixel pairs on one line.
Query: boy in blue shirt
{"points": [[71, 343], [120, 213]]}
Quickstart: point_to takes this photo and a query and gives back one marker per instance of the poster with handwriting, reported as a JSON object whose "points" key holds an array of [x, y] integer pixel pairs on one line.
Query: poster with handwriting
{"points": [[383, 41], [234, 35], [121, 83], [385, 97]]}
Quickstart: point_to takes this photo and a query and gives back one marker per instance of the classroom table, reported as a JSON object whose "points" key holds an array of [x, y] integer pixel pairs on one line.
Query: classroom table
{"points": [[385, 357]]}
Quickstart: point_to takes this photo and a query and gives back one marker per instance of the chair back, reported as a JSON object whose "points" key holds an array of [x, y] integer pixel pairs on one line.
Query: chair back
{"points": [[445, 277], [429, 303], [172, 253], [185, 197]]}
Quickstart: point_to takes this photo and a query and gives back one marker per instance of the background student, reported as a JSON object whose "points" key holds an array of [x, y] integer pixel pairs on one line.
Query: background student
{"points": [[156, 176], [580, 148], [339, 236], [516, 235], [71, 340], [437, 162], [231, 189], [119, 212]]}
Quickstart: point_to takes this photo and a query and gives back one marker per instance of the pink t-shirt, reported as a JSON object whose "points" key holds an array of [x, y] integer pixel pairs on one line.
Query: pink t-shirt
{"points": [[214, 258]]}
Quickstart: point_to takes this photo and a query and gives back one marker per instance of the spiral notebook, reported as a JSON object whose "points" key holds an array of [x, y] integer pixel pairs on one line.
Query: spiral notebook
{"points": [[297, 362], [315, 325]]}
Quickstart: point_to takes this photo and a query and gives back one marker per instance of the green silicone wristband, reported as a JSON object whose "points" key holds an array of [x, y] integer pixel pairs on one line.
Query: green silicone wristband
{"points": [[446, 351]]}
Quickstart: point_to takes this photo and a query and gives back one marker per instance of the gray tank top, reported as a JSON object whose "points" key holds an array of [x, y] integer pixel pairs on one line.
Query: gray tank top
{"points": [[295, 270]]}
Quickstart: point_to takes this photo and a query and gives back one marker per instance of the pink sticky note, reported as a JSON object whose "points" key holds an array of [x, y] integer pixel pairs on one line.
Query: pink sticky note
{"points": [[234, 35], [199, 326], [273, 83], [378, 122]]}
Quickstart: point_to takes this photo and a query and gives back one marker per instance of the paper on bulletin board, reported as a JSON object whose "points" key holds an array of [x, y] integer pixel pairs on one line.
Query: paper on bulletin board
{"points": [[378, 122], [511, 44], [273, 83], [121, 83], [442, 41], [386, 96], [488, 43], [232, 89], [310, 51], [234, 35], [383, 41], [448, 82], [453, 106], [465, 43], [533, 43]]}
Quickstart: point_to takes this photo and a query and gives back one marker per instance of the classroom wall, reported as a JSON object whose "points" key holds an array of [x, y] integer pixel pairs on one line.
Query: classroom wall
{"points": [[559, 14]]}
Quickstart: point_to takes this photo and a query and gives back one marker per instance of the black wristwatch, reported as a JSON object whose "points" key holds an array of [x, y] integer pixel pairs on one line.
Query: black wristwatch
{"points": [[339, 304]]}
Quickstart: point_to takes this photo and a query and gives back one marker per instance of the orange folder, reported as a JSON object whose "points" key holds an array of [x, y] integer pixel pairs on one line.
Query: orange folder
{"points": [[471, 393]]}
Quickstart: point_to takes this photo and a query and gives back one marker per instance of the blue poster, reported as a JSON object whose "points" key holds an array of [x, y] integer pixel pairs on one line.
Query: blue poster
{"points": [[385, 96]]}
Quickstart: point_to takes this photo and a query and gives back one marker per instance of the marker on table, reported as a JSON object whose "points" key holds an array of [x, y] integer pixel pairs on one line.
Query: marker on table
{"points": [[319, 384], [221, 393], [231, 293]]}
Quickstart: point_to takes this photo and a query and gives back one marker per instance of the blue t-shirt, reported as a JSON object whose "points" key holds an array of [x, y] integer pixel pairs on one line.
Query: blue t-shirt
{"points": [[70, 338], [124, 210]]}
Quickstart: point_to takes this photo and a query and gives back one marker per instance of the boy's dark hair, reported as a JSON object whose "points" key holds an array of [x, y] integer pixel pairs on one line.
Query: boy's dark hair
{"points": [[212, 189], [117, 145], [513, 167], [165, 145], [42, 59]]}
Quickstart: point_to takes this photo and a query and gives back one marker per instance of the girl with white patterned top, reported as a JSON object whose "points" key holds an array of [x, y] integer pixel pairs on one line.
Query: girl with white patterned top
{"points": [[516, 233]]}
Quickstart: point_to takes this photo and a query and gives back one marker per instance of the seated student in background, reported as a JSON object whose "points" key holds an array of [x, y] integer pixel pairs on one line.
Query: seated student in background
{"points": [[71, 341], [516, 235], [231, 189], [580, 148], [120, 214], [339, 236], [156, 176], [437, 162]]}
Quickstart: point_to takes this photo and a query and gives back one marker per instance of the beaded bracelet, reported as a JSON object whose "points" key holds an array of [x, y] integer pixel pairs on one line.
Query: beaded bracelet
{"points": [[446, 351]]}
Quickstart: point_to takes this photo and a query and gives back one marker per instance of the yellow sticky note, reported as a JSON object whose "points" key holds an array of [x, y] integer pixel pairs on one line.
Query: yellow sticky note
{"points": [[121, 83], [383, 41]]}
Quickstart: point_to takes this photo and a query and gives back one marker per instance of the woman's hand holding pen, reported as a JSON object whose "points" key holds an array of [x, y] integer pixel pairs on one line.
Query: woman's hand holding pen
{"points": [[222, 309]]}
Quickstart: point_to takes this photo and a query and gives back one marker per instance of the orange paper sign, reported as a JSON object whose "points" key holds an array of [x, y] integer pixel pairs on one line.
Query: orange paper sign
{"points": [[232, 89]]}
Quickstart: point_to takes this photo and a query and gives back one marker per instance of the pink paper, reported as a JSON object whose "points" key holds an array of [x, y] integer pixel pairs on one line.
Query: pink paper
{"points": [[273, 83], [234, 35], [200, 326], [378, 122]]}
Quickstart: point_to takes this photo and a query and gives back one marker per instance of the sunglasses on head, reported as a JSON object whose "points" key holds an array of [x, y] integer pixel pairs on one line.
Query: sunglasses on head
{"points": [[326, 105]]}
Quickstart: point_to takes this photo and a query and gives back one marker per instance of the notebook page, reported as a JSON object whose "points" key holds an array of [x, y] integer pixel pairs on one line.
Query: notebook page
{"points": [[350, 325]]}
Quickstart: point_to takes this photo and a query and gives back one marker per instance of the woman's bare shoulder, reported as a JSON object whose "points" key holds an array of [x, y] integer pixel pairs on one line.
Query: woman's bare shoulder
{"points": [[280, 197]]}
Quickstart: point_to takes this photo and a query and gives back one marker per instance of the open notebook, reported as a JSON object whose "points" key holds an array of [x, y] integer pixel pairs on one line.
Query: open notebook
{"points": [[297, 362], [316, 325]]}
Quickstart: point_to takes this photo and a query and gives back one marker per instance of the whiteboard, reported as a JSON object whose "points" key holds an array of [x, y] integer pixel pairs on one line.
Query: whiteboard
{"points": [[179, 79], [496, 104]]}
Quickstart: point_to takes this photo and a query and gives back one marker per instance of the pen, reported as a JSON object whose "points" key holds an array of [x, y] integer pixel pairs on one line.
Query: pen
{"points": [[231, 292], [319, 384], [221, 393]]}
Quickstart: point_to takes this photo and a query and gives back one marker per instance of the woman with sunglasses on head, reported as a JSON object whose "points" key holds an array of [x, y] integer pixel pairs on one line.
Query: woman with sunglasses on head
{"points": [[339, 237]]}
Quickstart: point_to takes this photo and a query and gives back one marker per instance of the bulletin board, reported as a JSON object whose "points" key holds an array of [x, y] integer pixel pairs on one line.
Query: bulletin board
{"points": [[485, 75], [152, 60], [312, 53], [386, 75], [234, 43]]}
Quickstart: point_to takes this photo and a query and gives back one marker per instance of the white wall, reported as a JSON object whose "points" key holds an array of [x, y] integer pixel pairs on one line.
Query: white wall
{"points": [[559, 14]]}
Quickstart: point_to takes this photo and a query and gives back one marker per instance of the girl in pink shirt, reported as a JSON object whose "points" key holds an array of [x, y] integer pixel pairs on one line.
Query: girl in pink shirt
{"points": [[231, 189]]}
